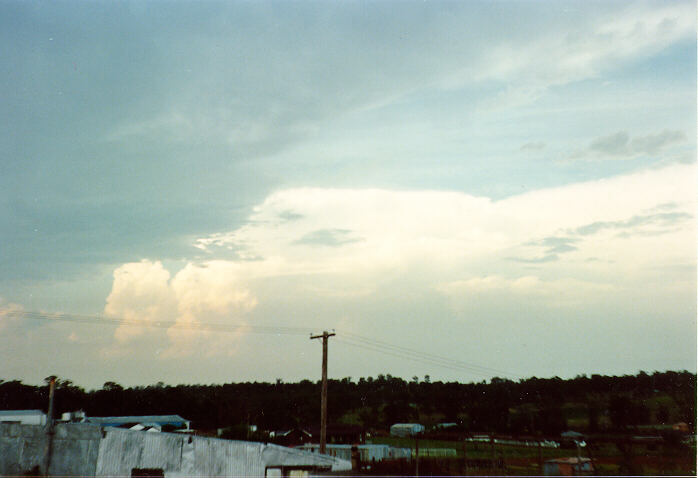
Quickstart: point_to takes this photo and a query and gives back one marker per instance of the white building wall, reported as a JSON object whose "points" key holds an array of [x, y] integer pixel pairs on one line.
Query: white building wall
{"points": [[24, 418]]}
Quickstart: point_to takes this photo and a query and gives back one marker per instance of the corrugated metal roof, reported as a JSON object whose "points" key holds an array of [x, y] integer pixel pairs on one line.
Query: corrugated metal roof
{"points": [[569, 460], [158, 419], [20, 412]]}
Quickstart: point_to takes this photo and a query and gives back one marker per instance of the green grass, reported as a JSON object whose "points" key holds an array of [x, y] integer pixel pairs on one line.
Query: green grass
{"points": [[477, 449], [523, 461]]}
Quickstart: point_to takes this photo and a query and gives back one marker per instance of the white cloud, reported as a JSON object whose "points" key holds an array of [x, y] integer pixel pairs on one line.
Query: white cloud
{"points": [[197, 294], [566, 292], [140, 293], [609, 239], [451, 233], [9, 313], [582, 52]]}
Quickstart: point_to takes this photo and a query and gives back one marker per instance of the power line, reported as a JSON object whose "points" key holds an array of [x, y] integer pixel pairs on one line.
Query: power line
{"points": [[358, 339], [346, 338], [441, 363], [162, 324]]}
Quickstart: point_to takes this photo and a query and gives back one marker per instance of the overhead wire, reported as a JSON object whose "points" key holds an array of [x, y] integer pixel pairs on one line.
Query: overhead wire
{"points": [[343, 337], [406, 356], [423, 355], [163, 324]]}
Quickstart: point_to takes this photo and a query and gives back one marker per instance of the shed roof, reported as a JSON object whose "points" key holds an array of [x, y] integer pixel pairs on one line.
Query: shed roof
{"points": [[150, 419], [20, 412], [572, 460]]}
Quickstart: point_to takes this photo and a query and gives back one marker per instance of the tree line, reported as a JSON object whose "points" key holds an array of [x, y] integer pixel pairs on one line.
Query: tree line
{"points": [[595, 404]]}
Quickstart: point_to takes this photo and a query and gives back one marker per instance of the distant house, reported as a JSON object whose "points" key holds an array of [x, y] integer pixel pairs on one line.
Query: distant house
{"points": [[80, 449], [680, 427], [340, 433], [571, 439], [444, 426], [293, 437], [367, 452], [25, 417], [572, 466], [406, 429], [346, 434], [173, 422]]}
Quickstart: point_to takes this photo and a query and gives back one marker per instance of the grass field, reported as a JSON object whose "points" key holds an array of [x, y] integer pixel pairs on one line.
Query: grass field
{"points": [[522, 461]]}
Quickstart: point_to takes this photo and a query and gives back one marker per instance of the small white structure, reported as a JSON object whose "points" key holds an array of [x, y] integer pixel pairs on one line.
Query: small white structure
{"points": [[406, 429], [24, 417], [73, 417], [148, 427]]}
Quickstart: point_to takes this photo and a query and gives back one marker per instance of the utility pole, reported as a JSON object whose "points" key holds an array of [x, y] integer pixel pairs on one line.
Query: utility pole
{"points": [[49, 425], [323, 402]]}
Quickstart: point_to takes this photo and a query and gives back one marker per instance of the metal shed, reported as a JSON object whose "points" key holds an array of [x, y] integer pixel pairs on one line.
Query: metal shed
{"points": [[89, 450], [406, 429]]}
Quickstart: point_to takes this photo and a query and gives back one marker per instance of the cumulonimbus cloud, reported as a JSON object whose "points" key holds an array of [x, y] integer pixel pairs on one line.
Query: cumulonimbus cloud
{"points": [[449, 243], [146, 297], [389, 228]]}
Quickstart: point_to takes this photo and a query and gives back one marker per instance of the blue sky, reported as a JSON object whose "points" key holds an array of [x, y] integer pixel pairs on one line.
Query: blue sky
{"points": [[509, 184]]}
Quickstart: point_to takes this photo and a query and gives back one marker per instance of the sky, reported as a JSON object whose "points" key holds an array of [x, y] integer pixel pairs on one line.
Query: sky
{"points": [[458, 189]]}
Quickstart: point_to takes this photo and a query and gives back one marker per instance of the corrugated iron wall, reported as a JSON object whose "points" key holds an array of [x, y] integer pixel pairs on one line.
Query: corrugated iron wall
{"points": [[88, 450], [23, 447]]}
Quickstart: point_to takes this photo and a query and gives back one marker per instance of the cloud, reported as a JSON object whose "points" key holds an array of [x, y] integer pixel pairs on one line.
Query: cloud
{"points": [[560, 292], [586, 50], [536, 260], [533, 146], [660, 223], [140, 293], [556, 245], [9, 313], [327, 237], [614, 144], [449, 250], [552, 247], [144, 292], [282, 98], [653, 143], [653, 224], [446, 231], [621, 146]]}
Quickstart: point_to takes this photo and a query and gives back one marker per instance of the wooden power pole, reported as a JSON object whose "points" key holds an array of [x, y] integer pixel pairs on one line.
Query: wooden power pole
{"points": [[49, 425], [323, 403]]}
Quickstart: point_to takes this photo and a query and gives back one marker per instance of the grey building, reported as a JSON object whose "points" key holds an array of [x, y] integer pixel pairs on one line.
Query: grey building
{"points": [[87, 450]]}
